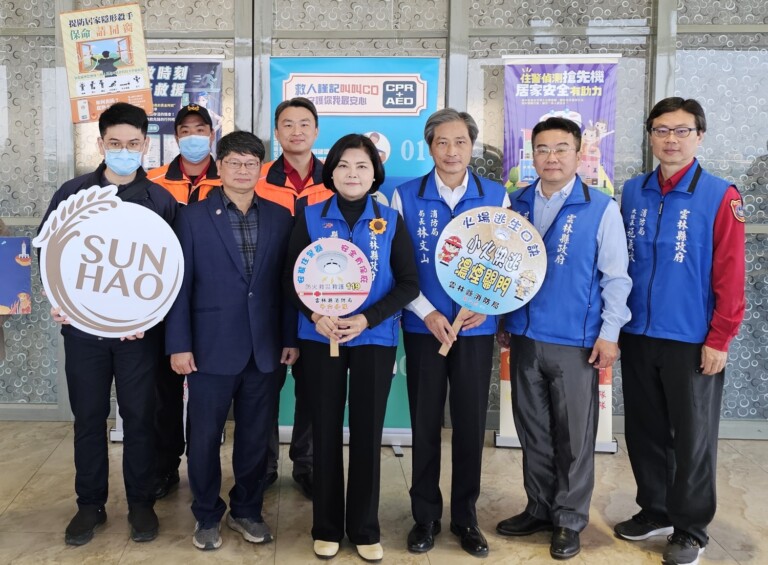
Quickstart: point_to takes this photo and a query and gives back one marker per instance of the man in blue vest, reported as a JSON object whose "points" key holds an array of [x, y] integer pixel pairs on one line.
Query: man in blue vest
{"points": [[685, 233], [427, 204], [560, 339]]}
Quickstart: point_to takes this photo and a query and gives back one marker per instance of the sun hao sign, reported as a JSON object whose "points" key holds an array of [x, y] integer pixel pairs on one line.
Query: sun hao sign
{"points": [[113, 267]]}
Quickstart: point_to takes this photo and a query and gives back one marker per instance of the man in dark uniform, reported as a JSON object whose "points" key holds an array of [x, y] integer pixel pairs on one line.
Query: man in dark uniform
{"points": [[189, 177], [92, 362]]}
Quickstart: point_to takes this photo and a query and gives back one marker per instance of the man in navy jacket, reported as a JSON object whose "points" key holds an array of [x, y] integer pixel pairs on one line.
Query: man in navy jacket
{"points": [[93, 363], [229, 331]]}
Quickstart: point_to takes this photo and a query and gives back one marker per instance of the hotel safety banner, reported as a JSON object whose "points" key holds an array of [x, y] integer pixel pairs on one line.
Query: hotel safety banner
{"points": [[582, 89]]}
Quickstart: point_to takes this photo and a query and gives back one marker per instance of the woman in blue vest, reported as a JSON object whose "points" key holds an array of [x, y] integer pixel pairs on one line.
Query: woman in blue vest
{"points": [[368, 342]]}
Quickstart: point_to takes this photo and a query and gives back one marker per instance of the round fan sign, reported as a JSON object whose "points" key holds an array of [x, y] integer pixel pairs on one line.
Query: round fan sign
{"points": [[490, 260], [114, 268], [332, 277]]}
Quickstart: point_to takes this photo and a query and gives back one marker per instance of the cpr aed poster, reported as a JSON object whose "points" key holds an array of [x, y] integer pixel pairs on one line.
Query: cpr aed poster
{"points": [[388, 99]]}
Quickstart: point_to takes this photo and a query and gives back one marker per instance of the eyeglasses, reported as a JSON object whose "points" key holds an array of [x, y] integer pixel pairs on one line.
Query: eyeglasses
{"points": [[679, 132], [544, 151], [236, 165], [132, 146]]}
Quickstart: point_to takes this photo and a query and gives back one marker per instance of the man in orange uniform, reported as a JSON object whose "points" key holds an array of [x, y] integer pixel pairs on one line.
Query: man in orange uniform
{"points": [[294, 180], [192, 174], [189, 178]]}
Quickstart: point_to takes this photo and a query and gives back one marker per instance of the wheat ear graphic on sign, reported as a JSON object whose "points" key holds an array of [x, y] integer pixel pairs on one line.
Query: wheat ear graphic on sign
{"points": [[59, 230]]}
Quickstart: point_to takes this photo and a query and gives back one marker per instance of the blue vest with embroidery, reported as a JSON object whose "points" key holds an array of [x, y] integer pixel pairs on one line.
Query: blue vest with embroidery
{"points": [[567, 309], [325, 220], [426, 214], [670, 245]]}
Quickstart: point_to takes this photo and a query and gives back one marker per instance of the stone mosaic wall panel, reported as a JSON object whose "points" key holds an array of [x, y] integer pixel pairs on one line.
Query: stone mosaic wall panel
{"points": [[331, 15], [721, 12], [431, 47], [557, 13], [737, 132], [28, 129], [179, 15], [746, 375], [26, 13]]}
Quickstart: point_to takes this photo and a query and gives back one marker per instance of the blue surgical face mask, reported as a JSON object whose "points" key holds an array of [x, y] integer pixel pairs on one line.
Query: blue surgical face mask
{"points": [[195, 148], [123, 162]]}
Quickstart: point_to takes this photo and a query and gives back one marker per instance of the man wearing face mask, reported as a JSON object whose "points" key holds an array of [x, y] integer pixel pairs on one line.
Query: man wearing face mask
{"points": [[189, 178], [92, 362], [192, 174]]}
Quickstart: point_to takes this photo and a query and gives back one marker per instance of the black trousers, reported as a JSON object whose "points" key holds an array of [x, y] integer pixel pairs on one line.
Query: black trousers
{"points": [[90, 366], [672, 414], [210, 397], [555, 406], [300, 451], [467, 368], [370, 378], [169, 418]]}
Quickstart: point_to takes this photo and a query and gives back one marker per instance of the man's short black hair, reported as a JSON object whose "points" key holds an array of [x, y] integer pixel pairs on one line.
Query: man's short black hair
{"points": [[241, 142], [561, 124], [123, 113], [673, 104], [353, 141], [298, 102]]}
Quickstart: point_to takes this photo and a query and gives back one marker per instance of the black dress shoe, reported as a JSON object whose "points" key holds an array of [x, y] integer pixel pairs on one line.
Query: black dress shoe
{"points": [[270, 479], [565, 543], [472, 540], [304, 480], [166, 483], [421, 538], [523, 524]]}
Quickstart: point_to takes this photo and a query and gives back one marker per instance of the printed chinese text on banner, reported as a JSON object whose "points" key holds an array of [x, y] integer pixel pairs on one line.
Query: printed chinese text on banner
{"points": [[387, 99], [106, 60], [582, 89], [175, 84]]}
